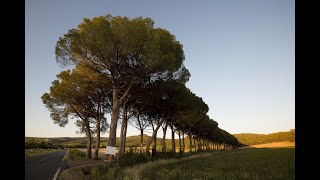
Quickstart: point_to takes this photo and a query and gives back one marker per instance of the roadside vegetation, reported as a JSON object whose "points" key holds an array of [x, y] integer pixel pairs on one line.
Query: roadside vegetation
{"points": [[34, 152], [265, 163], [76, 154]]}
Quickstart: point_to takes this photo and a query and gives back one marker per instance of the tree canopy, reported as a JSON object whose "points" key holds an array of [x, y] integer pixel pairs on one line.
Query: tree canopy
{"points": [[123, 65]]}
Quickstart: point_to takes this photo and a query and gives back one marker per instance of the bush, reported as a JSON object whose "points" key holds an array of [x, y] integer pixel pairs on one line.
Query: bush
{"points": [[130, 158], [166, 155], [76, 154], [98, 171]]}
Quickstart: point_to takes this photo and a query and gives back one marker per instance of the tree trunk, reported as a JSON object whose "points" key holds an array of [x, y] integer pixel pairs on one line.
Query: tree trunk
{"points": [[202, 144], [206, 143], [88, 140], [155, 141], [190, 150], [183, 145], [164, 138], [114, 119], [122, 138], [173, 140], [195, 145], [96, 151], [141, 140], [125, 134], [180, 149], [153, 135]]}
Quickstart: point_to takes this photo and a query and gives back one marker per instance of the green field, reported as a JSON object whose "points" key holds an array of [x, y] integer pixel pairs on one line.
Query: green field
{"points": [[239, 164], [264, 163]]}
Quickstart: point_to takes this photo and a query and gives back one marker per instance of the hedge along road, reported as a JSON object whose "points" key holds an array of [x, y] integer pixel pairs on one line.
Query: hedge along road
{"points": [[44, 167]]}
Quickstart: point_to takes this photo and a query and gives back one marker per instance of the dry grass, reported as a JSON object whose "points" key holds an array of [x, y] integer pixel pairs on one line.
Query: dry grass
{"points": [[79, 173], [272, 145], [276, 144], [35, 152], [101, 152]]}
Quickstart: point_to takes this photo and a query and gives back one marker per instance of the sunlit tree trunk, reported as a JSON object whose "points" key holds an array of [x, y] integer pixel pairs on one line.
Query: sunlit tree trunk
{"points": [[114, 118], [115, 113], [125, 134], [88, 133], [122, 137], [96, 152]]}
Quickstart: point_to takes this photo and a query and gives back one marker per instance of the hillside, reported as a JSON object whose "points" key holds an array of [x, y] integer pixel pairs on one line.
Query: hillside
{"points": [[134, 141], [254, 139], [131, 141]]}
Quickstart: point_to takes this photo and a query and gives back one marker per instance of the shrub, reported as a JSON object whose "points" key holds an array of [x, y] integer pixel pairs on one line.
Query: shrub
{"points": [[166, 155], [130, 158], [76, 154], [98, 171]]}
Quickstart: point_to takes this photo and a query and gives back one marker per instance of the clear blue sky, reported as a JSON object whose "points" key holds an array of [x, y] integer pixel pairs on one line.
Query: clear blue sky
{"points": [[240, 55]]}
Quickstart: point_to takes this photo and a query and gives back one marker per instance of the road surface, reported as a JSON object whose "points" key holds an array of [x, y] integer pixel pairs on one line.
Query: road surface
{"points": [[43, 167]]}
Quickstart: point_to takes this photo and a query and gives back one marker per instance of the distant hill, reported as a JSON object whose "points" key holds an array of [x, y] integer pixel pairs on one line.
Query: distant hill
{"points": [[254, 139], [131, 141], [134, 141]]}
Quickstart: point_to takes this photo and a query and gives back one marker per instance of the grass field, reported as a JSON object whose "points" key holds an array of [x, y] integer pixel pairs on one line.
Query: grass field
{"points": [[254, 163], [273, 163]]}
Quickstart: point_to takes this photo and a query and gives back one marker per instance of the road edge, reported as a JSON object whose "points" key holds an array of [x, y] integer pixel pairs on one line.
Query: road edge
{"points": [[63, 165]]}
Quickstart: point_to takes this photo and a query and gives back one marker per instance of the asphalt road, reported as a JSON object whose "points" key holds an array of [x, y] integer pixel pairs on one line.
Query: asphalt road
{"points": [[43, 167]]}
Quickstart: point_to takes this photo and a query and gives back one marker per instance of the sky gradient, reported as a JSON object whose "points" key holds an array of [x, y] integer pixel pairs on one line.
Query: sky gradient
{"points": [[241, 56]]}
